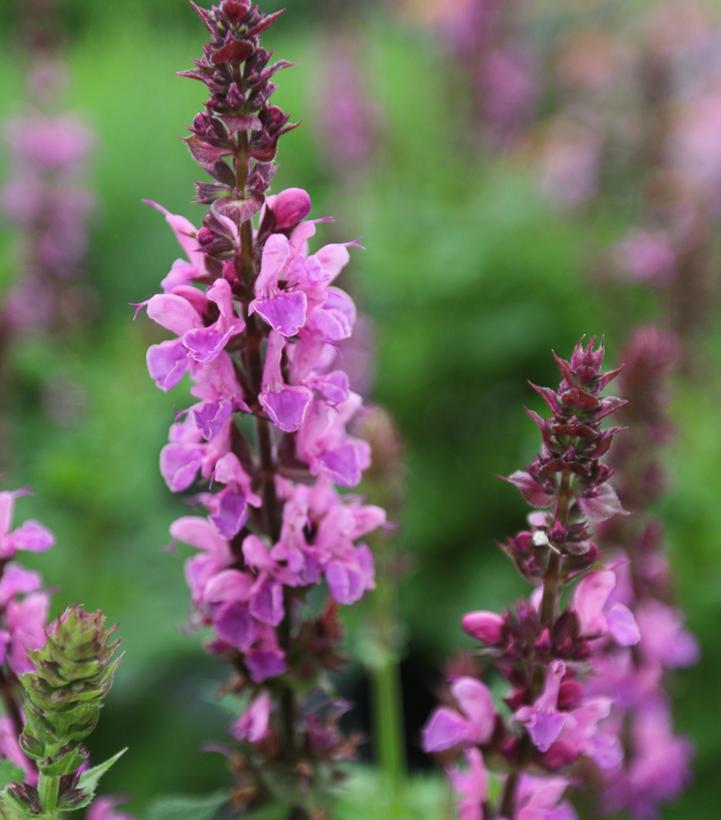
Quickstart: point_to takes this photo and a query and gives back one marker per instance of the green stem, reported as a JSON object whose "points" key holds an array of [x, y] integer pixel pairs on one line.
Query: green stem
{"points": [[385, 675], [48, 787], [389, 723]]}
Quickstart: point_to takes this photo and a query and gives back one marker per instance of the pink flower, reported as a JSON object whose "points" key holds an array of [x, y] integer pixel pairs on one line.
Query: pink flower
{"points": [[30, 535], [543, 720], [254, 724], [470, 785], [473, 724], [104, 808], [540, 799], [25, 621], [595, 618]]}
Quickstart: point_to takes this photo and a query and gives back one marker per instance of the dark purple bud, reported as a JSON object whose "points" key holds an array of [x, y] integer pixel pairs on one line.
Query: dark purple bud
{"points": [[234, 10], [265, 23], [236, 51]]}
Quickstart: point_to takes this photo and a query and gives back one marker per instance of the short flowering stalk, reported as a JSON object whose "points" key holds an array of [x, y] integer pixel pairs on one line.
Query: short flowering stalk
{"points": [[257, 323], [62, 698], [541, 648], [46, 200]]}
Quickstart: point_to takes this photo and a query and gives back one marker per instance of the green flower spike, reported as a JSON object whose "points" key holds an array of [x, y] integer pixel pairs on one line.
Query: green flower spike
{"points": [[62, 700]]}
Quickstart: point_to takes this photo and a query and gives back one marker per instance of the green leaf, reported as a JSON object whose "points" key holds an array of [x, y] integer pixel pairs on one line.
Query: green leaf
{"points": [[10, 809], [187, 808], [89, 780], [10, 773]]}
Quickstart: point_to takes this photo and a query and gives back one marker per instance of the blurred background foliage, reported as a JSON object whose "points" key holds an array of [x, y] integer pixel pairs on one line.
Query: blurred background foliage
{"points": [[469, 279]]}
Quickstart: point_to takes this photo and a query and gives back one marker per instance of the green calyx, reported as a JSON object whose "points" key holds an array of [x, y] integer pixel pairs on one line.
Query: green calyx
{"points": [[63, 697]]}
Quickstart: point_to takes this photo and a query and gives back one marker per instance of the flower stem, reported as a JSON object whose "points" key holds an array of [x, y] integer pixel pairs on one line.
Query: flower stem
{"points": [[48, 786]]}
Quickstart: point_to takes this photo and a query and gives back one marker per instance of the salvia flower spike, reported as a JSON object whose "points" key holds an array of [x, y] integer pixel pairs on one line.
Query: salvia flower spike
{"points": [[257, 325], [541, 648], [62, 700]]}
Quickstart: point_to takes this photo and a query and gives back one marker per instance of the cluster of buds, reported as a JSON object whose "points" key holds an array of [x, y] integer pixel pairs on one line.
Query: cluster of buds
{"points": [[657, 763], [544, 651], [62, 699], [259, 328]]}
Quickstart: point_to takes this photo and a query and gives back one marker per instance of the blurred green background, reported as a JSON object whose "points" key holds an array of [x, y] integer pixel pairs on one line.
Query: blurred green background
{"points": [[469, 278]]}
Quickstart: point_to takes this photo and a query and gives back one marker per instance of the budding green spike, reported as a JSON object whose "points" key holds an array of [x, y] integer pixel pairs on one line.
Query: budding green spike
{"points": [[62, 700]]}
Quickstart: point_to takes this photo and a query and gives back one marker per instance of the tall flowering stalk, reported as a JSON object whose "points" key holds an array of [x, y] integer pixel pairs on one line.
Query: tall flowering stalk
{"points": [[46, 200], [543, 648], [657, 763], [257, 324], [482, 39]]}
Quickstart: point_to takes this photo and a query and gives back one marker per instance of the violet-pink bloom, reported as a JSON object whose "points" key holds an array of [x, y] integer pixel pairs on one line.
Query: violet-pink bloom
{"points": [[658, 767], [601, 503], [285, 405], [30, 535], [187, 454], [17, 580], [541, 799], [324, 444], [205, 344], [10, 750], [647, 256], [50, 143], [543, 720], [470, 784], [284, 311], [473, 724], [105, 808], [254, 724], [26, 621], [663, 637], [595, 618]]}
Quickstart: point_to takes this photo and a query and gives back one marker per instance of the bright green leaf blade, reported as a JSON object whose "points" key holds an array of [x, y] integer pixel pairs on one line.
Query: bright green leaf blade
{"points": [[89, 779], [10, 773], [187, 808]]}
